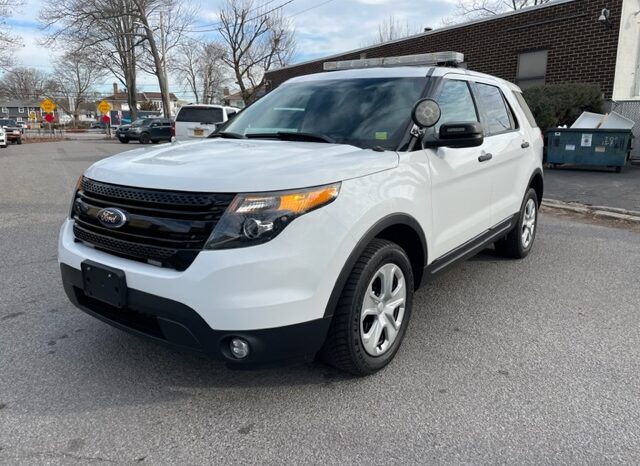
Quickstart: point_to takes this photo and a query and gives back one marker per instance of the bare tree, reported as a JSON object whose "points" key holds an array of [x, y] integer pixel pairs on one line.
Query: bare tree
{"points": [[199, 68], [23, 83], [7, 39], [163, 26], [475, 9], [256, 39], [104, 30], [394, 28], [74, 78]]}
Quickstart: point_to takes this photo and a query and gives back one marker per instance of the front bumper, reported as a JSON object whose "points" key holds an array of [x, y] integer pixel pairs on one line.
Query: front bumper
{"points": [[172, 323]]}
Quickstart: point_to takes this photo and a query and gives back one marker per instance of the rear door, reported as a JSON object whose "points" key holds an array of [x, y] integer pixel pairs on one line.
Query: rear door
{"points": [[509, 143], [460, 182], [195, 121]]}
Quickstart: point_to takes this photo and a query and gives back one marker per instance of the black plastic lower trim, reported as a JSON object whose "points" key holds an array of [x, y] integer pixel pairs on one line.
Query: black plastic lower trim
{"points": [[175, 324], [469, 249]]}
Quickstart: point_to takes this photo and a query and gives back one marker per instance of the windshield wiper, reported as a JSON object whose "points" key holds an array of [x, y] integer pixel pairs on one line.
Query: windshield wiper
{"points": [[227, 135], [291, 136]]}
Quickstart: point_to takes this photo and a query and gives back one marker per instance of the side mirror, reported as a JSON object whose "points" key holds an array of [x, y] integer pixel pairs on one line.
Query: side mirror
{"points": [[426, 113], [457, 135]]}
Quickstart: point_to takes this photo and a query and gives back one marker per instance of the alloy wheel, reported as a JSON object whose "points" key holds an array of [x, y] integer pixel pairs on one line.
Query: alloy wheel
{"points": [[383, 309]]}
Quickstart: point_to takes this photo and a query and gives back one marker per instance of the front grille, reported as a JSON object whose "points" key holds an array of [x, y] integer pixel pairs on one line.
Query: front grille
{"points": [[166, 228]]}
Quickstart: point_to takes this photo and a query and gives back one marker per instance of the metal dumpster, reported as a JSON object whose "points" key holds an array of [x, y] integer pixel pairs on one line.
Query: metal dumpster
{"points": [[598, 147]]}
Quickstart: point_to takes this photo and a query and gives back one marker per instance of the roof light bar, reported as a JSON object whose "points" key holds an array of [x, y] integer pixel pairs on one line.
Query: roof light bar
{"points": [[423, 59]]}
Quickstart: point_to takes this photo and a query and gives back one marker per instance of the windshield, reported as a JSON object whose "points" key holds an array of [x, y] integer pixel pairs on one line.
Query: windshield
{"points": [[364, 112], [7, 122]]}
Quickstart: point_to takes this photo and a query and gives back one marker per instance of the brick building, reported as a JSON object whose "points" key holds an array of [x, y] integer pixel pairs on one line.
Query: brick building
{"points": [[558, 42]]}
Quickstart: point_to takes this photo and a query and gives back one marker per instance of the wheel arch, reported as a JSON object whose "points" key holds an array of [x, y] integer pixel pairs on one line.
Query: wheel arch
{"points": [[537, 183], [402, 229]]}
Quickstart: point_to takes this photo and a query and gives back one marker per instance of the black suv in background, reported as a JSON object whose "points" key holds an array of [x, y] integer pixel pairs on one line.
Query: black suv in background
{"points": [[146, 130]]}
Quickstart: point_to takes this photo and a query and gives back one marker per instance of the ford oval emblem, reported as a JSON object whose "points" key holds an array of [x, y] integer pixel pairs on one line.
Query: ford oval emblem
{"points": [[112, 217]]}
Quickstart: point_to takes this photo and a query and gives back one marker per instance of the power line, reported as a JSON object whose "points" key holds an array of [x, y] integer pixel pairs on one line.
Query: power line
{"points": [[250, 19], [311, 8]]}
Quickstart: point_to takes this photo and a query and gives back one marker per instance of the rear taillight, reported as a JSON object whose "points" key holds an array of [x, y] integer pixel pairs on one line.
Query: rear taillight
{"points": [[173, 128]]}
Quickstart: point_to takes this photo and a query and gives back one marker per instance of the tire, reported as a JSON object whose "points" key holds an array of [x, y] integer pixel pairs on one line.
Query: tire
{"points": [[346, 347], [618, 169], [144, 138], [4, 146], [19, 141], [123, 140], [517, 244]]}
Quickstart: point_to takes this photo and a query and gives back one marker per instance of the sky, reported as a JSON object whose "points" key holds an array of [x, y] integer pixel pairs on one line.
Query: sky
{"points": [[323, 27]]}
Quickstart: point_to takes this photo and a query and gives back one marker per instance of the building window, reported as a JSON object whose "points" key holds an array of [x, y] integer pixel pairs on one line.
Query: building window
{"points": [[532, 68], [20, 109], [5, 110]]}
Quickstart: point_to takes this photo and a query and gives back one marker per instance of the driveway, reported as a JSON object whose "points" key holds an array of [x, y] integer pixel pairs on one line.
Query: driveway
{"points": [[595, 187]]}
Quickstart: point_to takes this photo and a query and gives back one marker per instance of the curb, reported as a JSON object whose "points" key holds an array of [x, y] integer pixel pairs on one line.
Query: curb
{"points": [[602, 212]]}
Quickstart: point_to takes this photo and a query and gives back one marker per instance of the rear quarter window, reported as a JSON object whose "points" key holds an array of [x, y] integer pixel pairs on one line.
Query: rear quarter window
{"points": [[200, 115], [525, 108]]}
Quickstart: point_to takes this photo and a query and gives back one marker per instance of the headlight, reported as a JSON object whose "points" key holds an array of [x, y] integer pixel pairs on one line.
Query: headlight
{"points": [[253, 219], [75, 195]]}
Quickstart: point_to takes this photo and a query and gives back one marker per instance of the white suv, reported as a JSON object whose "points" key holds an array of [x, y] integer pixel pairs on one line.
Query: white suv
{"points": [[200, 120], [307, 224]]}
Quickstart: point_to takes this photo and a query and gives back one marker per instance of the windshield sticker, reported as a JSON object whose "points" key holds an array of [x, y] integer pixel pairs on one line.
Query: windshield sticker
{"points": [[381, 136]]}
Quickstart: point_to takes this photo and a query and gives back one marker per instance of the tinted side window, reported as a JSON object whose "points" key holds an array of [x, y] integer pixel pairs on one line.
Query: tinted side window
{"points": [[498, 118], [200, 114], [456, 103], [525, 108]]}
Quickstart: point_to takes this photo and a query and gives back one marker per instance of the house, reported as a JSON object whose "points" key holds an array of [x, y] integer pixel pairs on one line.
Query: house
{"points": [[19, 109], [563, 41], [232, 99], [119, 101]]}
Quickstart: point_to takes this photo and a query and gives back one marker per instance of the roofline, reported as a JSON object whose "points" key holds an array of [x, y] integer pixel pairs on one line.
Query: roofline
{"points": [[428, 33]]}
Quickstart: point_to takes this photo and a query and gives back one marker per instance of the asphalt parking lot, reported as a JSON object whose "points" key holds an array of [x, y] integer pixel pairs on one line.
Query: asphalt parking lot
{"points": [[518, 362]]}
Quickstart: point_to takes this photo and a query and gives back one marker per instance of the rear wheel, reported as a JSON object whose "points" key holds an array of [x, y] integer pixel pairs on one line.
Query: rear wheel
{"points": [[373, 311], [518, 243], [144, 138]]}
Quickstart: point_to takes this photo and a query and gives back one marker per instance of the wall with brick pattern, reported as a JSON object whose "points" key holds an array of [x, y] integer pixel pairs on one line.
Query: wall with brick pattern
{"points": [[580, 49]]}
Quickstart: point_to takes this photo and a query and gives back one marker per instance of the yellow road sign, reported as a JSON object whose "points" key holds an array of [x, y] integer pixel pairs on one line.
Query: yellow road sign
{"points": [[32, 115], [104, 107], [47, 106]]}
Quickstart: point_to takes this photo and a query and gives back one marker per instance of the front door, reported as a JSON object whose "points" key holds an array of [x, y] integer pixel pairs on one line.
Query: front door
{"points": [[460, 178]]}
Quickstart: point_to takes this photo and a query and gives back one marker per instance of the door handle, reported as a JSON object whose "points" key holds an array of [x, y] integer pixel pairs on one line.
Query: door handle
{"points": [[485, 157], [524, 145]]}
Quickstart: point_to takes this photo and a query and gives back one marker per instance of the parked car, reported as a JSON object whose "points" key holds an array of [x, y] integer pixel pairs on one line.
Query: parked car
{"points": [[146, 130], [199, 121], [3, 138], [14, 133], [306, 225]]}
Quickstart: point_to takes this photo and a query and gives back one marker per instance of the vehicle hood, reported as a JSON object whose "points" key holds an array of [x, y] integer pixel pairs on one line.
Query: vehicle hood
{"points": [[226, 165]]}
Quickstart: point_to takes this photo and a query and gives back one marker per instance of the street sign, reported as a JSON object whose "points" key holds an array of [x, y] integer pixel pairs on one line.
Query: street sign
{"points": [[104, 107], [47, 106], [32, 115], [49, 118], [105, 118]]}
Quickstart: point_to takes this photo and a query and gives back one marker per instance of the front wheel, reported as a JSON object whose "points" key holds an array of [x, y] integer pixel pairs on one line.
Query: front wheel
{"points": [[518, 243], [19, 141], [123, 140], [373, 311]]}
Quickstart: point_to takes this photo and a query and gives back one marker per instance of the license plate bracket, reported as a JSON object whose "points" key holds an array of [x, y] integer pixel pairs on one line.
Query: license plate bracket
{"points": [[104, 283]]}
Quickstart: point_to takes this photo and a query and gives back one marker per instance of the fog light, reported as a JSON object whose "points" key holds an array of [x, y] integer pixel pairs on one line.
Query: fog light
{"points": [[239, 348]]}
